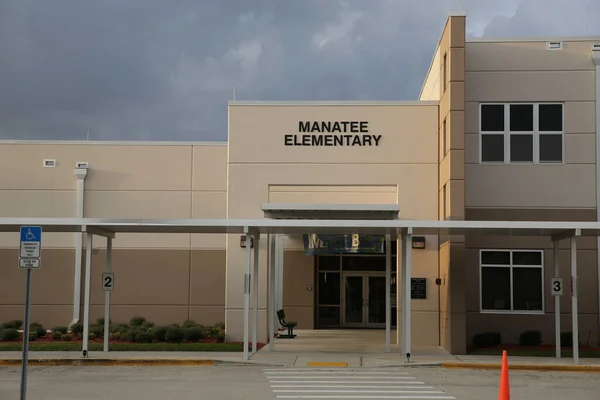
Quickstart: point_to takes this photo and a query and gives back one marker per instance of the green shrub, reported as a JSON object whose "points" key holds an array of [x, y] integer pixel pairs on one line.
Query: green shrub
{"points": [[221, 337], [56, 335], [97, 330], [14, 324], [66, 337], [137, 321], [487, 339], [566, 339], [77, 329], [9, 334], [131, 334], [92, 336], [38, 329], [193, 334], [32, 336], [530, 338], [189, 324], [174, 334], [160, 333], [115, 336], [221, 326], [147, 326], [60, 329], [143, 337], [120, 328]]}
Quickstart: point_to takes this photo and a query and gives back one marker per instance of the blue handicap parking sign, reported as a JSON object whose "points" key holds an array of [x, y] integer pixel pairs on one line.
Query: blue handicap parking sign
{"points": [[31, 234]]}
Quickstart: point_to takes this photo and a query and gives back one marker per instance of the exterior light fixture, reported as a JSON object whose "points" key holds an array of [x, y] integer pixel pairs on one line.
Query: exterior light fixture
{"points": [[243, 242], [418, 242]]}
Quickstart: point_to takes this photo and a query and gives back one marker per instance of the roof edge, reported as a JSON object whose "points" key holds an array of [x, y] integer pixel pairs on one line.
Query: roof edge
{"points": [[333, 103], [112, 142]]}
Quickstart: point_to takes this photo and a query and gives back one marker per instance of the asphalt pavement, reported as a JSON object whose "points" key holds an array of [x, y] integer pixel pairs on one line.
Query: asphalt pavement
{"points": [[260, 383]]}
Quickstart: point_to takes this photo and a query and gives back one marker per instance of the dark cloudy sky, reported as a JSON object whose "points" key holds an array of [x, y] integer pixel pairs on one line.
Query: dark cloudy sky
{"points": [[165, 69]]}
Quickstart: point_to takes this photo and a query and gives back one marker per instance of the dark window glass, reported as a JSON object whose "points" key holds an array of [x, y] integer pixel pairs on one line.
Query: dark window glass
{"points": [[365, 263], [527, 289], [521, 148], [495, 257], [328, 316], [492, 148], [393, 247], [495, 288], [527, 258], [329, 288], [329, 263], [521, 117], [492, 118], [551, 117], [551, 148]]}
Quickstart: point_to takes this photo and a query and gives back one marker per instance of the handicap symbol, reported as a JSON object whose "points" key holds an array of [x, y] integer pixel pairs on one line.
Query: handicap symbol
{"points": [[29, 235]]}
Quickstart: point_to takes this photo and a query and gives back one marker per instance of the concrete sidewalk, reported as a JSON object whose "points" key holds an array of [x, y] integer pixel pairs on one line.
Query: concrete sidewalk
{"points": [[317, 348], [303, 359]]}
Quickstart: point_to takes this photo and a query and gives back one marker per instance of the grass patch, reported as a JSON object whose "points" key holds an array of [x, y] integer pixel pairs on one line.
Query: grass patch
{"points": [[71, 346], [534, 353]]}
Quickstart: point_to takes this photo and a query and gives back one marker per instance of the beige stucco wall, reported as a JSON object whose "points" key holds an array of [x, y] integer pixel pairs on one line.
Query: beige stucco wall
{"points": [[183, 274], [522, 71], [402, 170]]}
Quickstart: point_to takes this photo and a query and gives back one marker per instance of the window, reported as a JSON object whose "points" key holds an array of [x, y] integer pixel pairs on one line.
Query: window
{"points": [[512, 281], [445, 72], [444, 139], [521, 133]]}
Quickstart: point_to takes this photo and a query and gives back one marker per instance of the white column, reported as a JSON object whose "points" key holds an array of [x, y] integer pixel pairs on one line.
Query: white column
{"points": [[399, 298], [574, 300], [557, 298], [281, 249], [406, 296], [388, 284], [255, 290], [108, 268], [247, 294], [596, 59], [271, 294], [86, 304]]}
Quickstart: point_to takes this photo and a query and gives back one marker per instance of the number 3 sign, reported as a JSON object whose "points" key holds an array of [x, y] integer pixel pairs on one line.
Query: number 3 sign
{"points": [[557, 287], [108, 281]]}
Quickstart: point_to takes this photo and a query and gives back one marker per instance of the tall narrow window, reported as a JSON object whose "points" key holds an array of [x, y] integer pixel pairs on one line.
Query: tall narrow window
{"points": [[444, 139], [445, 72], [444, 203]]}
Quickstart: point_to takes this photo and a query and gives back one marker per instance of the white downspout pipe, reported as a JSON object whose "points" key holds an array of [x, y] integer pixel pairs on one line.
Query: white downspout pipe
{"points": [[81, 173], [596, 59]]}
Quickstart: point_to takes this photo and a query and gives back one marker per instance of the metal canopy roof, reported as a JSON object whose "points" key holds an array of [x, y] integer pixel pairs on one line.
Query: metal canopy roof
{"points": [[331, 211], [109, 227]]}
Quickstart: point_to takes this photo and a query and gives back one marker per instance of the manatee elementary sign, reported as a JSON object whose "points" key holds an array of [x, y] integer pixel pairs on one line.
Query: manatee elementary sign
{"points": [[332, 133]]}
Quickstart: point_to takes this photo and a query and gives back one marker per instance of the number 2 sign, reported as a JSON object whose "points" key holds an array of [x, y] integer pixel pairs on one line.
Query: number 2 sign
{"points": [[108, 281]]}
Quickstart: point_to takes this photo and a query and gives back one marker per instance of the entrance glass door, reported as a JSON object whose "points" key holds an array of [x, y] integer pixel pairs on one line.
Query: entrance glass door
{"points": [[363, 300]]}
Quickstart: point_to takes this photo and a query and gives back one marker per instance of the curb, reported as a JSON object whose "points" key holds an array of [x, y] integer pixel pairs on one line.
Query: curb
{"points": [[103, 362], [524, 367]]}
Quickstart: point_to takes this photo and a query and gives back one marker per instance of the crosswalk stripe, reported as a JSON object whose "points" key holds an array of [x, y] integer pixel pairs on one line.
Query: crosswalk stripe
{"points": [[361, 382], [349, 384], [364, 397], [391, 373]]}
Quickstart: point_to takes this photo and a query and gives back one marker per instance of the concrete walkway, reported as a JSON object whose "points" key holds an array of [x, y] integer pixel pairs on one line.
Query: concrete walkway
{"points": [[344, 348]]}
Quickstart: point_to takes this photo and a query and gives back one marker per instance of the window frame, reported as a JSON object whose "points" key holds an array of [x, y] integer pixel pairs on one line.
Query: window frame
{"points": [[535, 133], [511, 267]]}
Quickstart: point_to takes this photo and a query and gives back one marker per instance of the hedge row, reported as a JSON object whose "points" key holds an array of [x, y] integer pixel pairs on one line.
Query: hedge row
{"points": [[138, 331], [529, 338]]}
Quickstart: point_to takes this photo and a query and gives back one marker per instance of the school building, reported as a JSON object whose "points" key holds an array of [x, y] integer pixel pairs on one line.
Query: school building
{"points": [[503, 130]]}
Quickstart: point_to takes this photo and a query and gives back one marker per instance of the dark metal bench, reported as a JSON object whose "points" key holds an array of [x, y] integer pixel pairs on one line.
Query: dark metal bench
{"points": [[289, 325]]}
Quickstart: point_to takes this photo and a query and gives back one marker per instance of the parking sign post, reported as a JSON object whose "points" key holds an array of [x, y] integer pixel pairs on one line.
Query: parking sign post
{"points": [[29, 258]]}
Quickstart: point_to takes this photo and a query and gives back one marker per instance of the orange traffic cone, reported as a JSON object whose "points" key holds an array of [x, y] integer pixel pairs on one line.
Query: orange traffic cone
{"points": [[504, 392]]}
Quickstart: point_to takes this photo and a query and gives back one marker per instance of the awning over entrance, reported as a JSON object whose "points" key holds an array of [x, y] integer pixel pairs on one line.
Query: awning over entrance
{"points": [[331, 211]]}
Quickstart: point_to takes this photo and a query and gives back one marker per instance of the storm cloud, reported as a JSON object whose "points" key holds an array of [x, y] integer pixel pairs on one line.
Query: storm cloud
{"points": [[164, 70]]}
